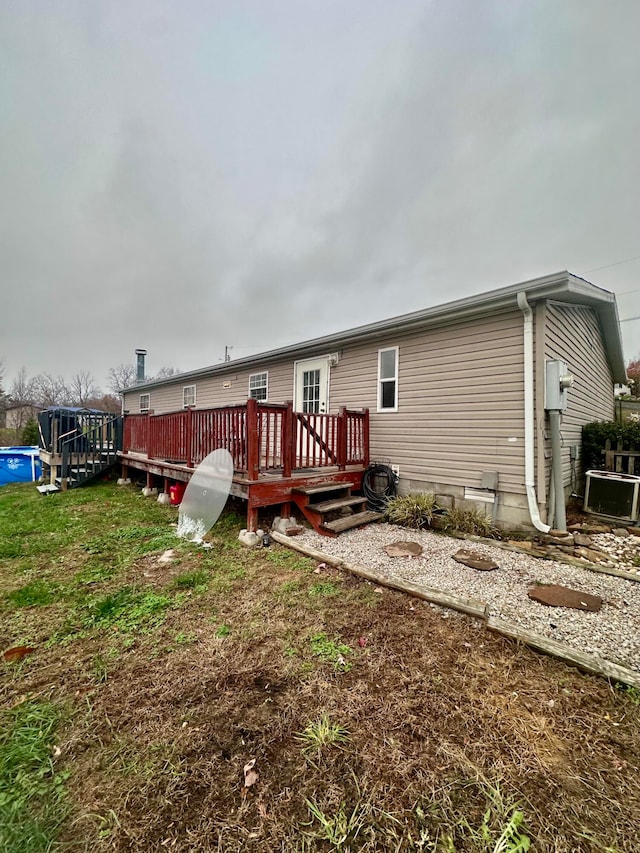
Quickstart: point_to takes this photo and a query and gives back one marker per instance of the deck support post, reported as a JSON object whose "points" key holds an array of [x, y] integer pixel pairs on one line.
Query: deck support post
{"points": [[252, 518], [125, 471], [166, 486], [149, 480], [53, 468], [285, 510]]}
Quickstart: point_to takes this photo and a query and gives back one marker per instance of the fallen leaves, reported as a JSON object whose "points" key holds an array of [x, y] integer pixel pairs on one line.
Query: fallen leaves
{"points": [[17, 653], [250, 775]]}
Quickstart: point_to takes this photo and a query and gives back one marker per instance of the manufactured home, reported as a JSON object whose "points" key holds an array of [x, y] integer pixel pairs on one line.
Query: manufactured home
{"points": [[478, 400]]}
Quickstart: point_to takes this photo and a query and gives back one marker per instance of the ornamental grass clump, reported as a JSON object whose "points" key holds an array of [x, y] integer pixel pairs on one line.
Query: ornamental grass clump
{"points": [[470, 521], [415, 511]]}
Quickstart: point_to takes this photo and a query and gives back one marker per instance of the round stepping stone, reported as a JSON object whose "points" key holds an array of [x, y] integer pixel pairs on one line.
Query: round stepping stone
{"points": [[475, 560], [403, 549], [555, 595]]}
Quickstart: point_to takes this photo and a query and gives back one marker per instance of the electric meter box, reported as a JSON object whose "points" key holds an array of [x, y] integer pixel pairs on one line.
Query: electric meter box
{"points": [[557, 381]]}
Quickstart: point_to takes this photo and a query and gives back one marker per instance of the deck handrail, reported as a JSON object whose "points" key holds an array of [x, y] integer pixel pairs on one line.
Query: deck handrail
{"points": [[260, 436]]}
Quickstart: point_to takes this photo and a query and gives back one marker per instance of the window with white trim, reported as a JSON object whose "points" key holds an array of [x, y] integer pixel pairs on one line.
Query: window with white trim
{"points": [[388, 379], [188, 396], [258, 386], [144, 402]]}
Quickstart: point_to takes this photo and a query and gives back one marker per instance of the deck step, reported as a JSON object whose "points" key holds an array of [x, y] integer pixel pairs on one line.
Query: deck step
{"points": [[338, 503], [349, 521], [319, 490], [48, 488]]}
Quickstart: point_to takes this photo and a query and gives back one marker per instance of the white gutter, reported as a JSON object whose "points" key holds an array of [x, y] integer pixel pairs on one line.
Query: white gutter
{"points": [[529, 418]]}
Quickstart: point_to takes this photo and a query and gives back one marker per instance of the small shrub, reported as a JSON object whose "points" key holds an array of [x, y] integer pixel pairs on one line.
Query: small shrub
{"points": [[472, 521], [595, 435], [412, 510]]}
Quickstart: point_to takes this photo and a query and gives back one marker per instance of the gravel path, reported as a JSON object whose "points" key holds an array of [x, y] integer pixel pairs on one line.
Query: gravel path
{"points": [[612, 634]]}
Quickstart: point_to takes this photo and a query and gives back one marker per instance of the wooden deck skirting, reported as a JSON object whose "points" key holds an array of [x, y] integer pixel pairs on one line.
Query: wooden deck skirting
{"points": [[273, 448]]}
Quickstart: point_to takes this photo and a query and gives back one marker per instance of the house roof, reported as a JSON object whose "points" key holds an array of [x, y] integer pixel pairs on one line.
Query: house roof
{"points": [[559, 287], [12, 407]]}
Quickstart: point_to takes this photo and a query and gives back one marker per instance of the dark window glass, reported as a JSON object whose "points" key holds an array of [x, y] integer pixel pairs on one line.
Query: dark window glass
{"points": [[388, 395]]}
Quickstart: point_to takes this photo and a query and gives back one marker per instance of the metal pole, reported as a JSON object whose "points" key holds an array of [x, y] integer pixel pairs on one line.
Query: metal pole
{"points": [[556, 469]]}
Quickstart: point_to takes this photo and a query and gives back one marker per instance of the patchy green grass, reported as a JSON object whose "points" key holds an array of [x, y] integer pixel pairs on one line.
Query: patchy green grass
{"points": [[324, 590], [33, 798], [38, 593], [376, 724], [197, 580], [331, 651], [128, 610], [288, 559]]}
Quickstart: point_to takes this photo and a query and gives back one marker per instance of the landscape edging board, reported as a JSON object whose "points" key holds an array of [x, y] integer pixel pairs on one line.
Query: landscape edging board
{"points": [[477, 609]]}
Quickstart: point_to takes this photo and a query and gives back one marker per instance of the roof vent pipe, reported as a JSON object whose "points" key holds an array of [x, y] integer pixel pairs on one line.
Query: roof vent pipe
{"points": [[529, 418], [140, 354]]}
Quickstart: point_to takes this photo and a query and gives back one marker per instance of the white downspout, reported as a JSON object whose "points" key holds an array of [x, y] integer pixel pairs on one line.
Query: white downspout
{"points": [[529, 418]]}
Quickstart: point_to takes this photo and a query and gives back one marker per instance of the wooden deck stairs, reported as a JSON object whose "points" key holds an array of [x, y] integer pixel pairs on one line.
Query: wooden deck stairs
{"points": [[83, 467], [332, 509], [85, 452]]}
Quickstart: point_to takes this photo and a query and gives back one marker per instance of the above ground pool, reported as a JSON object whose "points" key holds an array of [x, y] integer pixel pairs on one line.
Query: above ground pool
{"points": [[19, 465]]}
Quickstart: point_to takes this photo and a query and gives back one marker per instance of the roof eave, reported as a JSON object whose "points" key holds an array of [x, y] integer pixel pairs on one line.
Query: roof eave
{"points": [[562, 286]]}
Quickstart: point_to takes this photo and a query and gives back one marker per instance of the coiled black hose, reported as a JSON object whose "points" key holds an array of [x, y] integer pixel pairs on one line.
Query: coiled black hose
{"points": [[378, 485]]}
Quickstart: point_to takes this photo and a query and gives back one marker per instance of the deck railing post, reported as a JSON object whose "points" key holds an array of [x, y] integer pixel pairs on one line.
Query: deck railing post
{"points": [[366, 458], [342, 438], [253, 440], [189, 437], [150, 438], [287, 451]]}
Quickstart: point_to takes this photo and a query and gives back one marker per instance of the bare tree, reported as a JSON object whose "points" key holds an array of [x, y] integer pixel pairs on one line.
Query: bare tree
{"points": [[166, 372], [23, 388], [122, 376], [83, 387], [105, 403], [3, 396], [51, 391]]}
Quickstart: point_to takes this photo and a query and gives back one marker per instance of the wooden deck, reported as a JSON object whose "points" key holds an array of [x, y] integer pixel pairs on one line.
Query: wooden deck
{"points": [[275, 450]]}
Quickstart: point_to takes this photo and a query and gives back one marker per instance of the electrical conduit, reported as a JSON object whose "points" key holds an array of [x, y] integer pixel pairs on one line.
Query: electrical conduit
{"points": [[529, 419]]}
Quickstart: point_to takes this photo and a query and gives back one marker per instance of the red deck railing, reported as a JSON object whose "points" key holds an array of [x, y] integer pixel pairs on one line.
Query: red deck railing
{"points": [[259, 437]]}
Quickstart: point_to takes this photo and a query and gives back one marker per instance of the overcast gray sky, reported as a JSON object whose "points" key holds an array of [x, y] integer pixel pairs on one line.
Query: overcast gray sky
{"points": [[185, 176]]}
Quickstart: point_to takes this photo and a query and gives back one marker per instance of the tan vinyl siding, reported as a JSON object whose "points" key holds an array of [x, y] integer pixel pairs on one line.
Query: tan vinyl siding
{"points": [[460, 400], [210, 390], [572, 333]]}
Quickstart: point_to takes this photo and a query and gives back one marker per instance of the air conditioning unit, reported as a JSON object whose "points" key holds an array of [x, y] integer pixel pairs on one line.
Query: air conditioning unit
{"points": [[615, 495]]}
